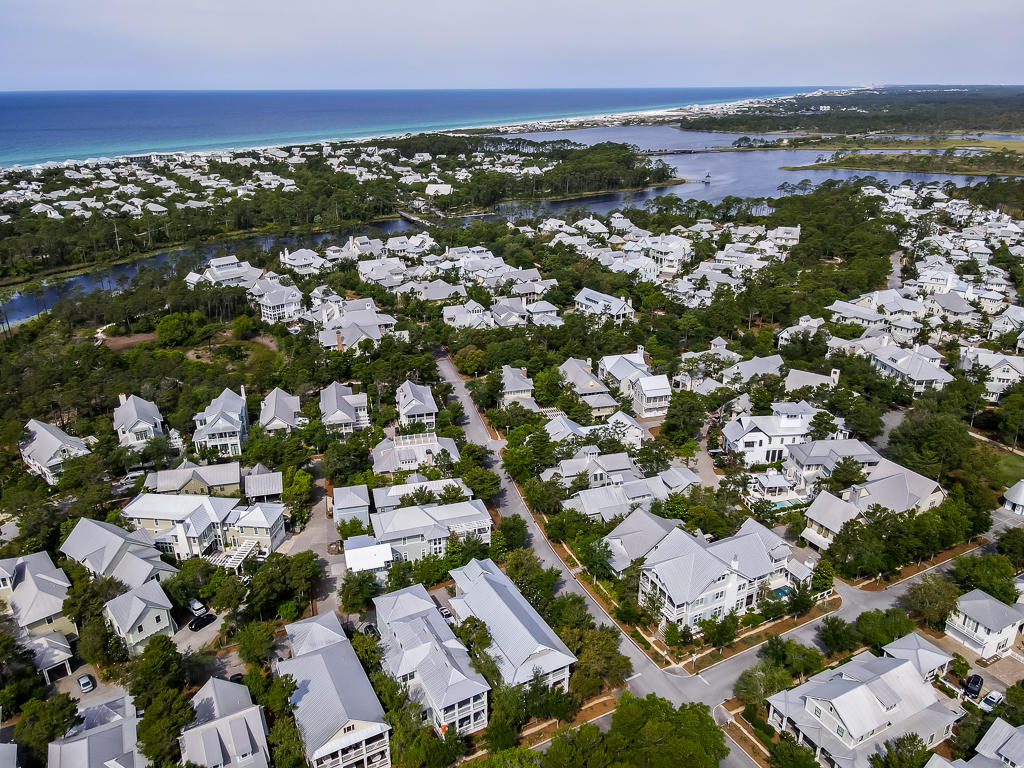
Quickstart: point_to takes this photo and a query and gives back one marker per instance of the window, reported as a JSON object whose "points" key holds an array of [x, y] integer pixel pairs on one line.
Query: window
{"points": [[140, 628], [349, 728], [840, 732], [817, 711], [49, 619], [159, 618]]}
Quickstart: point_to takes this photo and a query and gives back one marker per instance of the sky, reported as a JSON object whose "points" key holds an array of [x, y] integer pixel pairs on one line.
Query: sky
{"points": [[342, 44]]}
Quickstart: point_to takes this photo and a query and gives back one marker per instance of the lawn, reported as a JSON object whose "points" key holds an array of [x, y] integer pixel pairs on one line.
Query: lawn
{"points": [[1009, 469]]}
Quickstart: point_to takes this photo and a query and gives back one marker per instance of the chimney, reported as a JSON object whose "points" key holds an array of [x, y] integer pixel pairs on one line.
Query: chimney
{"points": [[243, 391], [835, 376], [123, 398], [735, 562], [338, 344]]}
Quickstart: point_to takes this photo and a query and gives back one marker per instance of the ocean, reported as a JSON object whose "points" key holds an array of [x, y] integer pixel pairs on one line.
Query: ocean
{"points": [[37, 127]]}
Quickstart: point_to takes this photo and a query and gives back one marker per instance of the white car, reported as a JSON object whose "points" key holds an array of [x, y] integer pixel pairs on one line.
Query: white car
{"points": [[991, 701], [197, 608]]}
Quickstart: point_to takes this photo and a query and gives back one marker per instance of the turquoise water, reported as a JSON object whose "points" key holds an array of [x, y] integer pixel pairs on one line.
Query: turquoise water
{"points": [[53, 126]]}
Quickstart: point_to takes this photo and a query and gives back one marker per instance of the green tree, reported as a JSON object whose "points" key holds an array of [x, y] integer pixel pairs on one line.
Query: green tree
{"points": [[801, 600], [823, 426], [722, 631], [287, 749], [837, 635], [990, 573], [44, 721], [1011, 544], [823, 576], [932, 599], [161, 725], [878, 628], [357, 591], [906, 751], [686, 414], [789, 753], [160, 668], [484, 483], [255, 642], [764, 679]]}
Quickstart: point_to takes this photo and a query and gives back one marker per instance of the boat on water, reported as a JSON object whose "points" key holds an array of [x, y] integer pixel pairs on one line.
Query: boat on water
{"points": [[707, 177]]}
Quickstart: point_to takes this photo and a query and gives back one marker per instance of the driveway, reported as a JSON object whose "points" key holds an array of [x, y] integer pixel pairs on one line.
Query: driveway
{"points": [[187, 640], [316, 535], [102, 693]]}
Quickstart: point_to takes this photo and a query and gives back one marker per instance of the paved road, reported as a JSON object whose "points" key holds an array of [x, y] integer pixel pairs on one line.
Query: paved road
{"points": [[714, 685]]}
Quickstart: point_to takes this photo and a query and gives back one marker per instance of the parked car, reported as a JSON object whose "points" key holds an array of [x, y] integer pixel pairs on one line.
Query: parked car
{"points": [[85, 683], [334, 548], [991, 701], [202, 621], [238, 677], [445, 613], [197, 608], [973, 686], [371, 630]]}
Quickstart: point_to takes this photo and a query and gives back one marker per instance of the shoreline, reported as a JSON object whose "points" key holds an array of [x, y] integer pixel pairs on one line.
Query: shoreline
{"points": [[656, 116]]}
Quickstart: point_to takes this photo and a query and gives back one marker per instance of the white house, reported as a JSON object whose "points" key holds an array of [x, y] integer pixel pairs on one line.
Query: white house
{"points": [[416, 531], [139, 614], [341, 410], [46, 449], [409, 452], [416, 405], [223, 425], [363, 553], [228, 731], [846, 714], [522, 643], [651, 396], [601, 305], [1013, 501], [766, 439], [280, 304], [351, 503], [421, 651], [338, 715], [516, 387], [696, 579], [138, 421], [108, 550], [279, 410], [984, 625]]}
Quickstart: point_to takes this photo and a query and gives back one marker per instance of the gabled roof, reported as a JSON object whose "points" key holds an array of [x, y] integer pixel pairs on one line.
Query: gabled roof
{"points": [[46, 443], [107, 550], [124, 610], [227, 726], [39, 587], [415, 400], [332, 689], [986, 610], [134, 410], [521, 640], [279, 405], [635, 536], [925, 656], [417, 640]]}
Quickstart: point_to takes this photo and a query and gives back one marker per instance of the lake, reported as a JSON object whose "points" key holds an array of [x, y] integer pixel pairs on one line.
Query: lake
{"points": [[754, 173]]}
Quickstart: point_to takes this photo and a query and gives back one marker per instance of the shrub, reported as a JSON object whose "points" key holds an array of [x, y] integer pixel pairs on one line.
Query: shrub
{"points": [[752, 619]]}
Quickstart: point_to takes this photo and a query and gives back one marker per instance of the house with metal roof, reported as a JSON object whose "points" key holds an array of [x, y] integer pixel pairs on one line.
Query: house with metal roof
{"points": [[139, 614], [522, 643], [888, 485], [695, 579], [363, 553], [263, 485], [228, 731], [603, 306], [106, 737], [590, 389], [767, 439], [984, 625], [137, 421], [599, 469], [35, 589], [846, 714], [1002, 745], [621, 371], [416, 405], [108, 550], [1013, 500], [223, 425], [516, 387], [337, 713], [341, 410], [389, 497], [280, 304], [47, 447], [930, 661], [809, 462], [410, 452], [210, 480], [920, 370], [651, 396], [279, 410], [416, 531], [421, 651], [634, 537]]}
